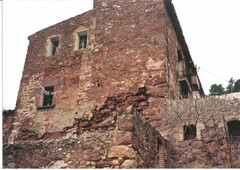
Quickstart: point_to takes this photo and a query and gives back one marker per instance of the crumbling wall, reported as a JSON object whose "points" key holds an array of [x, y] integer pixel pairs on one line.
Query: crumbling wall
{"points": [[131, 46], [147, 142], [58, 122], [212, 145], [7, 122], [120, 145], [84, 151], [126, 51]]}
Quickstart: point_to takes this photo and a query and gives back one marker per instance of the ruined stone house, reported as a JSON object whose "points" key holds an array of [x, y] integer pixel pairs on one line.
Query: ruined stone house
{"points": [[99, 90]]}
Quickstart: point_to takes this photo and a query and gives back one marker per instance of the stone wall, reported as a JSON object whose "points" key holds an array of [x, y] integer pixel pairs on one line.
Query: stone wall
{"points": [[7, 120], [132, 45], [126, 51], [130, 143], [147, 142], [130, 60], [212, 145]]}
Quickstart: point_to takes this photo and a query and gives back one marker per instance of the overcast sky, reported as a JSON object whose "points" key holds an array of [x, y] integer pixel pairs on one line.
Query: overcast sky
{"points": [[211, 29]]}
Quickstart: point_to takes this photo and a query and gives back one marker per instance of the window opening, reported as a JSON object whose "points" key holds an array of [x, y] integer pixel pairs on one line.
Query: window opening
{"points": [[54, 45], [48, 96], [233, 128], [179, 55], [180, 64], [184, 88], [82, 41], [189, 132]]}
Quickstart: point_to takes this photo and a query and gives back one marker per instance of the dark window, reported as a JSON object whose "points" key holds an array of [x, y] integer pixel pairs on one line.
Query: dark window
{"points": [[55, 44], [179, 56], [234, 128], [55, 47], [82, 41], [184, 88], [189, 132], [48, 96], [180, 64]]}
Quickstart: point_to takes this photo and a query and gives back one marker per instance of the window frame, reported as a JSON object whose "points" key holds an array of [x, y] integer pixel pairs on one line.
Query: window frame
{"points": [[188, 130], [48, 98], [78, 34], [50, 45]]}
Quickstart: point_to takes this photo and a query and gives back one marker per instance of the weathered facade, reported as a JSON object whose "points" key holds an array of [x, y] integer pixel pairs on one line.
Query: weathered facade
{"points": [[128, 143], [130, 59], [81, 74]]}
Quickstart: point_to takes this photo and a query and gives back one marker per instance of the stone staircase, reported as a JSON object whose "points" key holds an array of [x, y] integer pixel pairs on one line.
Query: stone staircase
{"points": [[161, 157]]}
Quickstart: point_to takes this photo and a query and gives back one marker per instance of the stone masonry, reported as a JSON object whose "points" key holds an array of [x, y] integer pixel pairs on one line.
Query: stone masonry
{"points": [[131, 48], [130, 142], [109, 89], [212, 146]]}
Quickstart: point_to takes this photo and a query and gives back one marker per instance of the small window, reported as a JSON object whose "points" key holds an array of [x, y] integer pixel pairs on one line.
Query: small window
{"points": [[53, 46], [47, 96], [180, 64], [184, 88], [179, 55], [82, 39], [233, 128], [189, 132]]}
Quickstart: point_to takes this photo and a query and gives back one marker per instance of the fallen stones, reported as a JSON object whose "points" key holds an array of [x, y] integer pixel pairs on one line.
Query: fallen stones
{"points": [[121, 151], [129, 163], [123, 138]]}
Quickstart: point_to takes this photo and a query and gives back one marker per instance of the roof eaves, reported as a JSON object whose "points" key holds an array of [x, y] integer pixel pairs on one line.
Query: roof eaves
{"points": [[177, 27], [176, 24]]}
